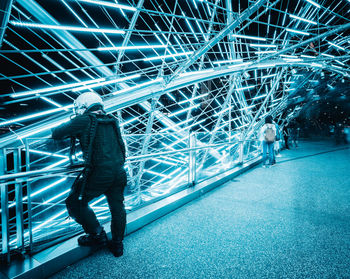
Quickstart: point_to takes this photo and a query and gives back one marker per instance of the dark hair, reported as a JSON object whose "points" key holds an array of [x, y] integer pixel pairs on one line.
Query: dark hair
{"points": [[268, 119]]}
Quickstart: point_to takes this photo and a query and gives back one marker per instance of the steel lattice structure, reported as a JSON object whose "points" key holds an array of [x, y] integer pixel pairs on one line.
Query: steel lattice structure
{"points": [[166, 69]]}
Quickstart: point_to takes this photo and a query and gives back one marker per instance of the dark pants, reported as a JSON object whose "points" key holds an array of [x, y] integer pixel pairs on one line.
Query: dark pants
{"points": [[268, 147], [109, 182], [286, 142]]}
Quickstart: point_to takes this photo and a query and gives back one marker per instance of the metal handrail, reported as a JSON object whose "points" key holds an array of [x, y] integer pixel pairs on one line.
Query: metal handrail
{"points": [[19, 177], [72, 169]]}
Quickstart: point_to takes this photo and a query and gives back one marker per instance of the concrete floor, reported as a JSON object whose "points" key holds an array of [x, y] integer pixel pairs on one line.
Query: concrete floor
{"points": [[288, 221]]}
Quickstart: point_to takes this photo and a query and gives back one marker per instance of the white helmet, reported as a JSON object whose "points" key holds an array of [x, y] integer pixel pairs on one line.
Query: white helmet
{"points": [[85, 101]]}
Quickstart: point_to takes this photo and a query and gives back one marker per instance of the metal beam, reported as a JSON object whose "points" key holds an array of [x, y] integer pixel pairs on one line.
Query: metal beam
{"points": [[5, 11], [223, 33]]}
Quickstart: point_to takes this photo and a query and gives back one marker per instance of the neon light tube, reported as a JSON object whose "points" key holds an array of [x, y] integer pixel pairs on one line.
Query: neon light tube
{"points": [[341, 63], [265, 52], [167, 56], [228, 61], [297, 31], [268, 76], [60, 87], [47, 153], [266, 65], [239, 65], [337, 46], [288, 56], [249, 107], [105, 83], [138, 86], [131, 47], [328, 55], [259, 97], [308, 56], [108, 4], [316, 65], [192, 99], [245, 88], [195, 72], [156, 173], [52, 102], [183, 110], [258, 45], [67, 28], [31, 116], [303, 19], [292, 60], [248, 37], [313, 3], [129, 121]]}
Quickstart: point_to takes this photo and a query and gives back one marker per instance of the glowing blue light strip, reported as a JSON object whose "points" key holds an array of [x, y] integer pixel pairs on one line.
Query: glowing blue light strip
{"points": [[129, 121], [262, 45], [303, 19], [192, 99], [248, 37], [57, 196], [268, 76], [183, 110], [259, 97], [308, 56], [157, 173], [35, 115], [313, 3], [240, 65], [105, 83], [265, 51], [55, 88], [47, 153], [41, 190], [328, 55], [195, 72], [335, 45], [108, 4], [138, 86], [341, 63], [168, 56], [67, 28], [245, 88], [131, 47], [228, 61], [297, 31]]}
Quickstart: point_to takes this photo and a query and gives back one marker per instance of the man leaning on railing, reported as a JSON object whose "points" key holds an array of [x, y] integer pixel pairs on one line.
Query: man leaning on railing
{"points": [[104, 156]]}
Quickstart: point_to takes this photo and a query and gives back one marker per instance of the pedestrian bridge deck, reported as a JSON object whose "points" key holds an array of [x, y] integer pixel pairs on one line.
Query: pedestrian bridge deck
{"points": [[288, 221]]}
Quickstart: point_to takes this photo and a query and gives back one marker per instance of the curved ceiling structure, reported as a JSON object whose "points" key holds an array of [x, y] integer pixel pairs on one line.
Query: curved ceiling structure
{"points": [[165, 69]]}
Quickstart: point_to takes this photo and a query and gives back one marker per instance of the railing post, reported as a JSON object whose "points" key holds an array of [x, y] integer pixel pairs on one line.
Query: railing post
{"points": [[5, 223], [19, 201], [192, 160], [241, 149], [29, 199], [4, 211]]}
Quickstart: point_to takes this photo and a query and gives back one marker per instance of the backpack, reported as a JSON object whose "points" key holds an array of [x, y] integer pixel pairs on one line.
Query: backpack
{"points": [[270, 134]]}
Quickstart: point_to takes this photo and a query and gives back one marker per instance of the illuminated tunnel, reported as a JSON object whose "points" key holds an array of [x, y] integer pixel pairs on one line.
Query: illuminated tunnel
{"points": [[190, 81]]}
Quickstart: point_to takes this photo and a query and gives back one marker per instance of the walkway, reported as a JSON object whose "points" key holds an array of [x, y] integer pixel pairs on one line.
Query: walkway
{"points": [[288, 221]]}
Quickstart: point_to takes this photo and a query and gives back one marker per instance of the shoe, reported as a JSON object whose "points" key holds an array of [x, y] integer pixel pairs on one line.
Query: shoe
{"points": [[93, 239], [117, 248]]}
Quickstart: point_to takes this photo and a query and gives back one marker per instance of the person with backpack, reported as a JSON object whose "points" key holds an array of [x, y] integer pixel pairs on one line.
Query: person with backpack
{"points": [[277, 143], [268, 137], [103, 174]]}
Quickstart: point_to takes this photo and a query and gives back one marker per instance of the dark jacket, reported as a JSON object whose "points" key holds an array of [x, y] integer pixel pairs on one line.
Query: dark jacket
{"points": [[108, 149]]}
